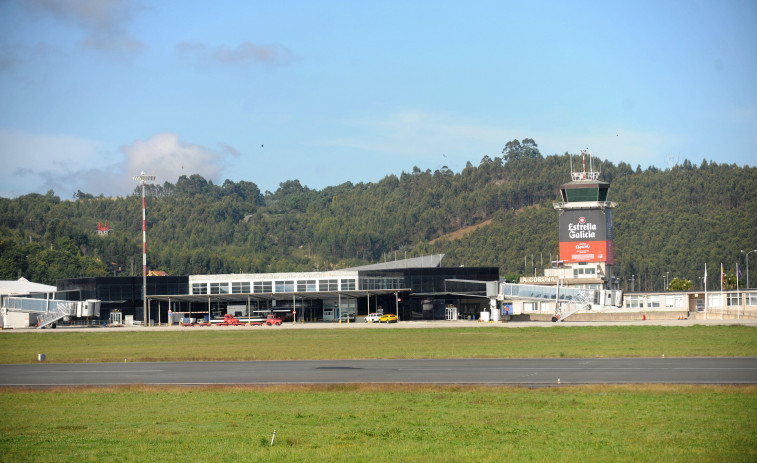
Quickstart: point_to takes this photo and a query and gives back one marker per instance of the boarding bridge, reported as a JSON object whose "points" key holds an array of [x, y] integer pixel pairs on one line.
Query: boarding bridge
{"points": [[50, 311], [568, 300]]}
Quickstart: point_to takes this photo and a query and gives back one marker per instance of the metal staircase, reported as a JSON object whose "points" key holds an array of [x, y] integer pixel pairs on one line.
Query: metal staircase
{"points": [[55, 314], [49, 311], [581, 301], [568, 300]]}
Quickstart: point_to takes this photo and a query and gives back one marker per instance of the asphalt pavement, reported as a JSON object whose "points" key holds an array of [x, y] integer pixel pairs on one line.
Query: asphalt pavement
{"points": [[523, 372]]}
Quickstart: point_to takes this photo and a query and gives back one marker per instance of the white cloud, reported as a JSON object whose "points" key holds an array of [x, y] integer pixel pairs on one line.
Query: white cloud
{"points": [[166, 157], [65, 164]]}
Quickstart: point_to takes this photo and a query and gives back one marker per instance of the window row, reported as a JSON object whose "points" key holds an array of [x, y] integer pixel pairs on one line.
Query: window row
{"points": [[584, 271], [635, 301], [280, 286], [715, 299], [381, 283]]}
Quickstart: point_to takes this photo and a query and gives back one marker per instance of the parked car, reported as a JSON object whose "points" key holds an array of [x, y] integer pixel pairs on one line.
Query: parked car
{"points": [[388, 318], [348, 317], [372, 317]]}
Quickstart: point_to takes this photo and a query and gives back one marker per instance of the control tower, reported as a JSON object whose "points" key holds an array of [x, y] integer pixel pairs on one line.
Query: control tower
{"points": [[585, 230]]}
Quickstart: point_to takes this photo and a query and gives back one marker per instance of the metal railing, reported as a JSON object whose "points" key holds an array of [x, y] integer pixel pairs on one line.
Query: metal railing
{"points": [[548, 293], [52, 316], [26, 304]]}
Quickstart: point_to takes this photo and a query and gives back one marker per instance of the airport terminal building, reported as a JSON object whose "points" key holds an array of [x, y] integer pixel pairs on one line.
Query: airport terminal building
{"points": [[414, 289]]}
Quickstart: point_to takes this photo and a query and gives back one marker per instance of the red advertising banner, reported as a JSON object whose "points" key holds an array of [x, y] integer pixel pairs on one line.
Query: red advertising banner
{"points": [[587, 251], [586, 236]]}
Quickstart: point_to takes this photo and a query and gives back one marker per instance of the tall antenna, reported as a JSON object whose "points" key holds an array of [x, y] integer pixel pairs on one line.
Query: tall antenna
{"points": [[143, 178], [591, 174]]}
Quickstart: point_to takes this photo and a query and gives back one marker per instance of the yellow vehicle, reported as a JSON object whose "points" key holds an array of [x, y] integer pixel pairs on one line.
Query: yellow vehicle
{"points": [[388, 318]]}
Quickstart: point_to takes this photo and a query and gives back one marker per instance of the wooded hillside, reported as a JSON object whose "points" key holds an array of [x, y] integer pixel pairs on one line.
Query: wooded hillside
{"points": [[671, 220]]}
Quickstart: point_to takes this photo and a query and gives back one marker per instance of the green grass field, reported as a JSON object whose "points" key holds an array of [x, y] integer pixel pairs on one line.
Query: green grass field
{"points": [[381, 423], [217, 343], [396, 423]]}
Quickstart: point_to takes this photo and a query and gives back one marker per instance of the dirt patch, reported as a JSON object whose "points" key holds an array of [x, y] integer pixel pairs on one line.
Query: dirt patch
{"points": [[462, 232]]}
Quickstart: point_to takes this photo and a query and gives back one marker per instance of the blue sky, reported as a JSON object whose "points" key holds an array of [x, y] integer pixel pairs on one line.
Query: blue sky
{"points": [[94, 91]]}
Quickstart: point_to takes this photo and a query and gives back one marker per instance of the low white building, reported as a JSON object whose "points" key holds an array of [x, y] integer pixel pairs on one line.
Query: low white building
{"points": [[20, 288]]}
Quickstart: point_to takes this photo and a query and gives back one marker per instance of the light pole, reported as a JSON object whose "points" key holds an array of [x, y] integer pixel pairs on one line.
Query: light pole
{"points": [[747, 265], [667, 280], [143, 178], [632, 279]]}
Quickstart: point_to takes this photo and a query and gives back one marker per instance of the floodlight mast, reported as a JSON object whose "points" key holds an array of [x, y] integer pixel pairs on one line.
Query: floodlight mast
{"points": [[142, 177]]}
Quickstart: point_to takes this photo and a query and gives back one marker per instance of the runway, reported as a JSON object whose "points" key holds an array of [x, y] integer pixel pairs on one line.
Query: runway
{"points": [[522, 372]]}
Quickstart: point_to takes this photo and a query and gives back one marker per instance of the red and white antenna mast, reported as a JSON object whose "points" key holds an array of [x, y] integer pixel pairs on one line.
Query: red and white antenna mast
{"points": [[143, 178], [591, 174]]}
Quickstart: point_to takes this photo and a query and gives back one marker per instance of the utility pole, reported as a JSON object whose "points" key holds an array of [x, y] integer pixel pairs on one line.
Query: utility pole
{"points": [[747, 265], [143, 178]]}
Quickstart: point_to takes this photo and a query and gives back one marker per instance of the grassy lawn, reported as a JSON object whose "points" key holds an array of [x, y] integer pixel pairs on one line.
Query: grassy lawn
{"points": [[102, 345], [381, 423]]}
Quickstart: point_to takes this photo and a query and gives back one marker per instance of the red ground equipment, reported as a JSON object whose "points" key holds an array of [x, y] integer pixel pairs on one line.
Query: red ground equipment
{"points": [[273, 320], [228, 320], [270, 320]]}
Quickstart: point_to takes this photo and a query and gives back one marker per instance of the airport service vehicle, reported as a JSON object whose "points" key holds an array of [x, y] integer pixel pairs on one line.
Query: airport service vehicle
{"points": [[272, 320], [388, 318], [228, 320], [372, 317]]}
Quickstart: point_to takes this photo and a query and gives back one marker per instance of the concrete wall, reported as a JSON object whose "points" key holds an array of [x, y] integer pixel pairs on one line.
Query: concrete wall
{"points": [[605, 316]]}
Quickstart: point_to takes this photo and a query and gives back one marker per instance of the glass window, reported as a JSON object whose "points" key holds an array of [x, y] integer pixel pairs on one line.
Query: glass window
{"points": [[675, 300], [734, 298], [240, 287], [653, 301], [262, 287], [714, 300], [380, 283], [348, 285], [530, 306], [306, 285], [219, 288], [328, 285], [285, 286], [199, 288], [751, 299], [634, 302]]}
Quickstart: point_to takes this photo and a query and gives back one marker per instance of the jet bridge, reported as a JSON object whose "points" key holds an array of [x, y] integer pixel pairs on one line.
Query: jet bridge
{"points": [[568, 300], [49, 311]]}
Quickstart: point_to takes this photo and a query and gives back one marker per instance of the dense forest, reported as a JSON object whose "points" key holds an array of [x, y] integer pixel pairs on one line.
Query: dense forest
{"points": [[668, 223]]}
